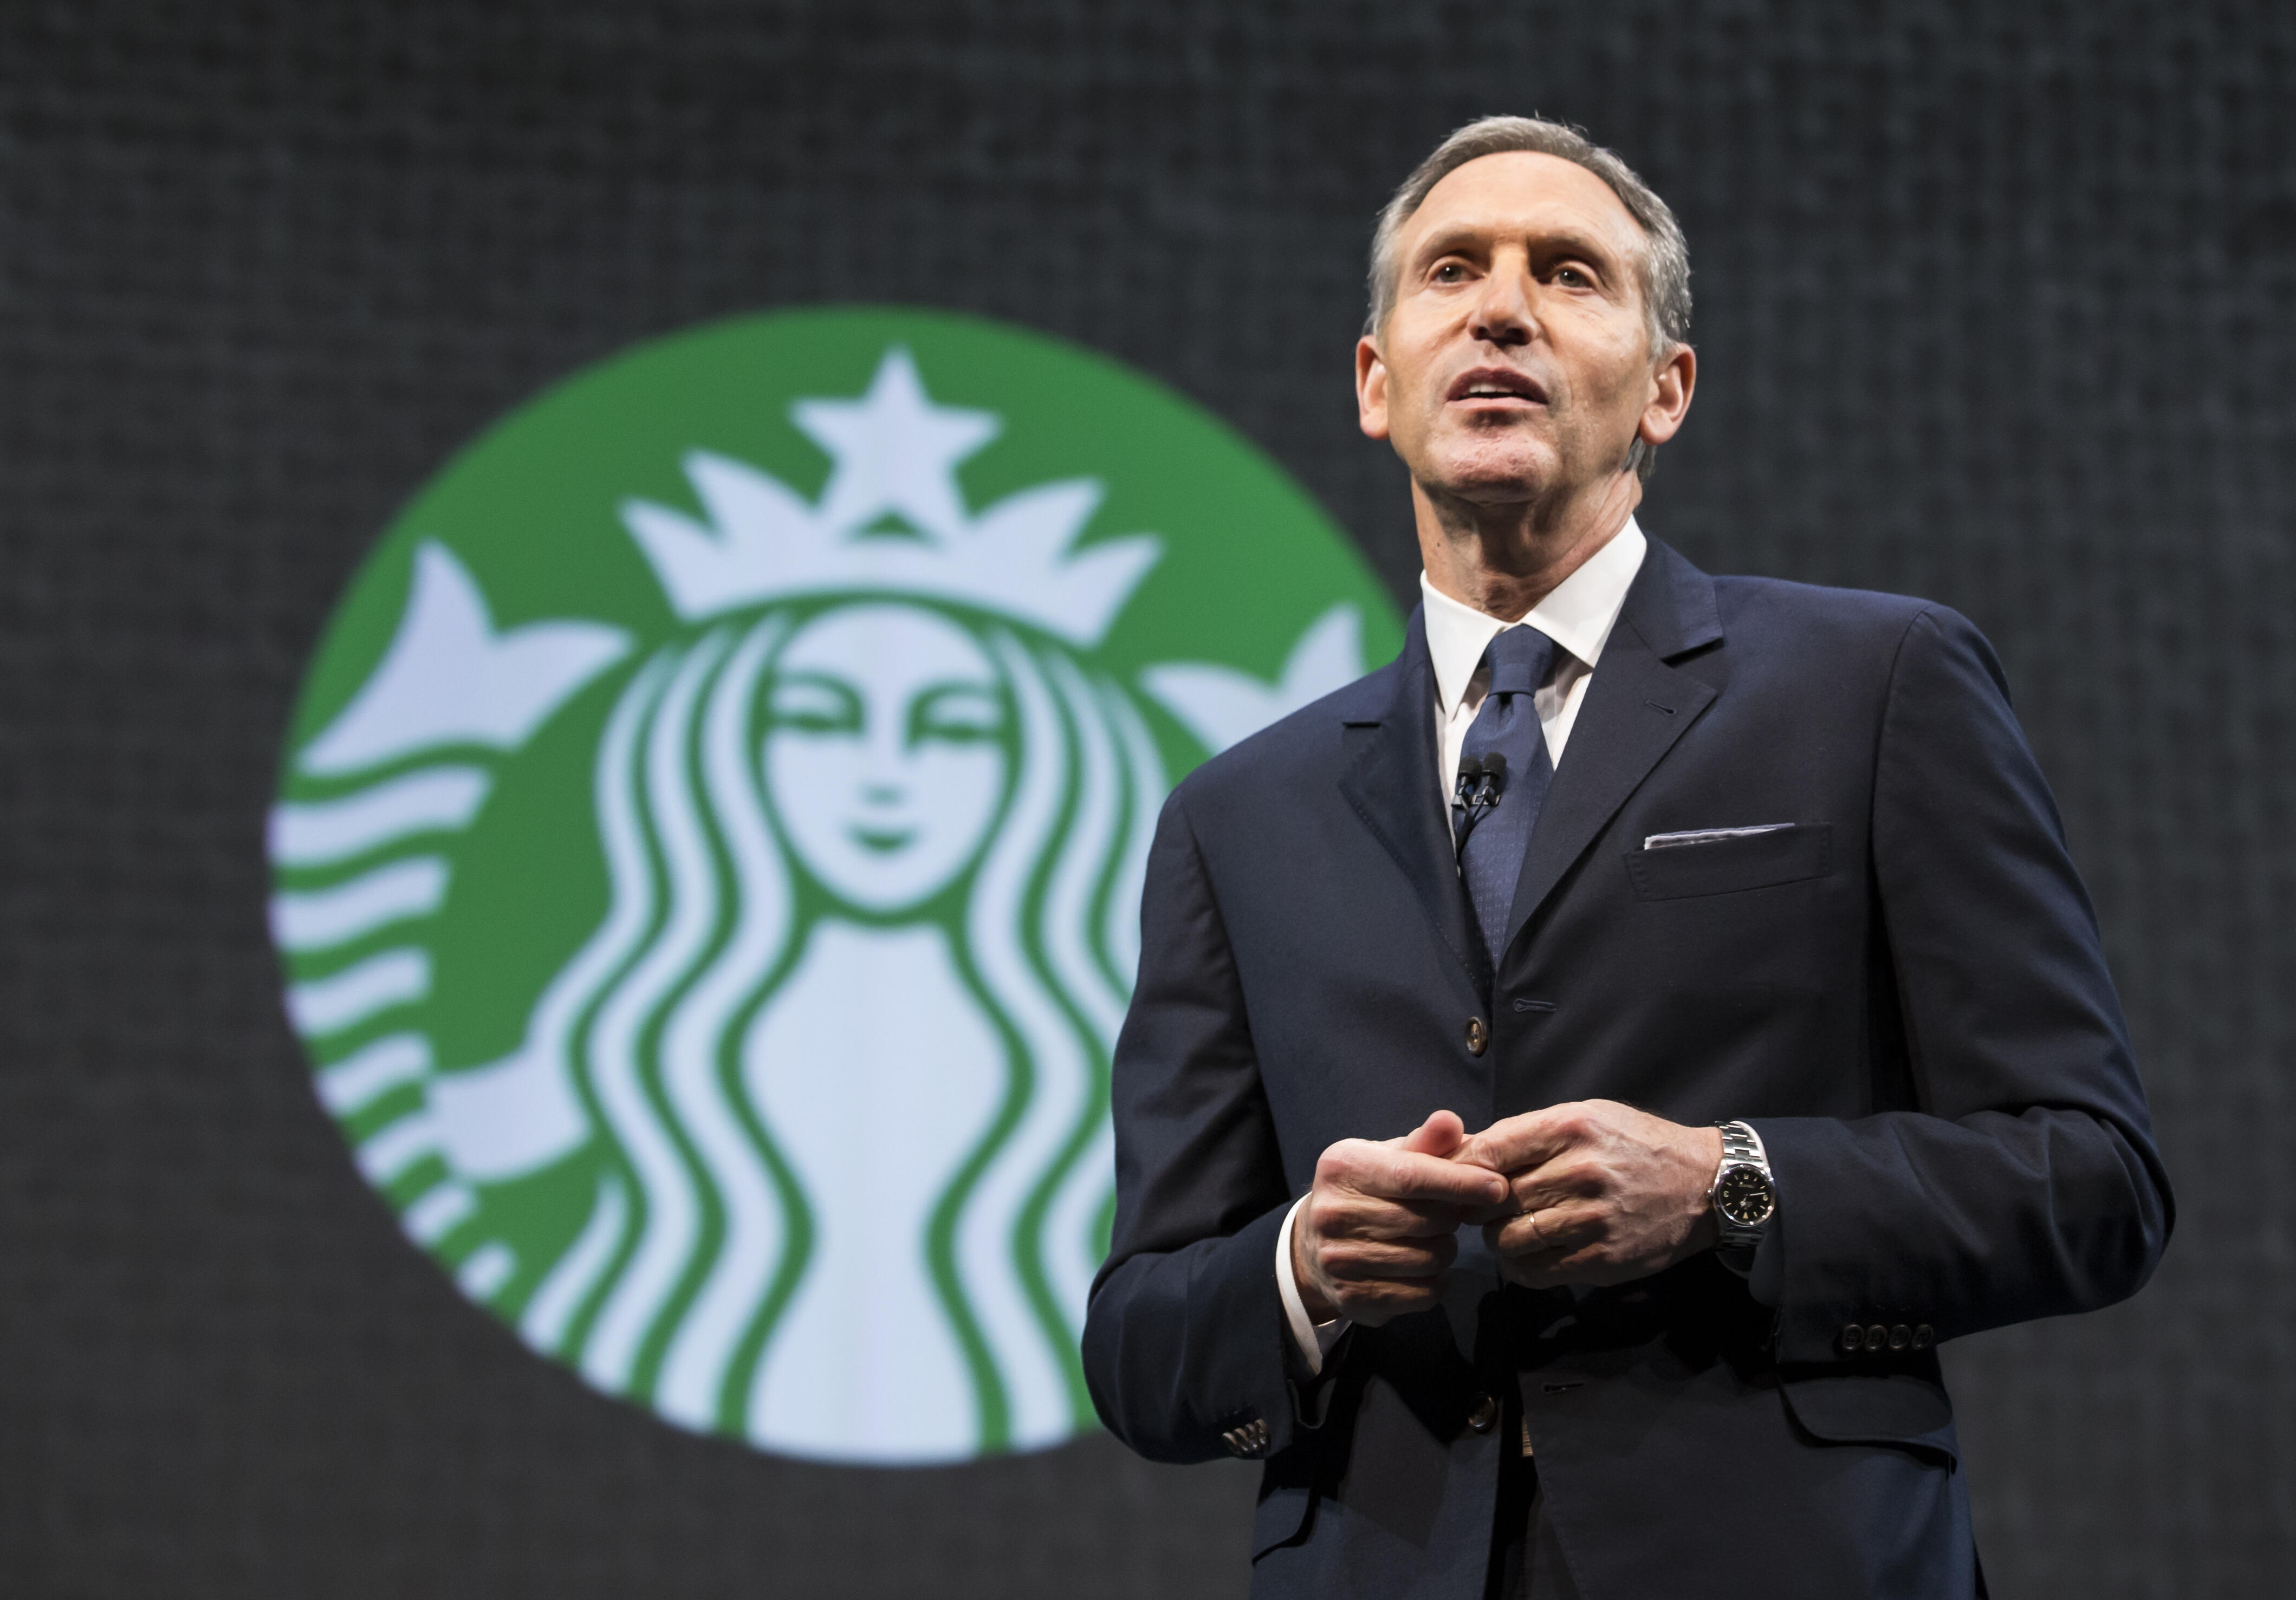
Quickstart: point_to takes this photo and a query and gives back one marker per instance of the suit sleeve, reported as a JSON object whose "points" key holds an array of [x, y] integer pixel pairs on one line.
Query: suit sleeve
{"points": [[1186, 1339], [2026, 1184]]}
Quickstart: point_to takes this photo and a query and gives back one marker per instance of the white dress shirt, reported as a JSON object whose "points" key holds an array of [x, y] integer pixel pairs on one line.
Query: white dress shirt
{"points": [[1578, 615]]}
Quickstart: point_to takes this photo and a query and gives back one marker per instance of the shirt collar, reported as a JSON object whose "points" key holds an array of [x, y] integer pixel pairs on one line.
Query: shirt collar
{"points": [[1578, 615]]}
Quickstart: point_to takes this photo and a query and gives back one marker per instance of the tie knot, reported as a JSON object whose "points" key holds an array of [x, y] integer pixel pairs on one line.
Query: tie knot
{"points": [[1520, 659]]}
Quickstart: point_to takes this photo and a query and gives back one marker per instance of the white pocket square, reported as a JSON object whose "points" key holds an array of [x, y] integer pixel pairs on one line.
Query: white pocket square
{"points": [[1708, 835]]}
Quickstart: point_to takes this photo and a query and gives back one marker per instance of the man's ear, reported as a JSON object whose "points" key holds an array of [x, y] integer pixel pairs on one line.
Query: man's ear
{"points": [[1672, 381], [1371, 390]]}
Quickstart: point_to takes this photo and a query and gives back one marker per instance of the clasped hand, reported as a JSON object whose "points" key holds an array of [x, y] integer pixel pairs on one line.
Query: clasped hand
{"points": [[1593, 1192]]}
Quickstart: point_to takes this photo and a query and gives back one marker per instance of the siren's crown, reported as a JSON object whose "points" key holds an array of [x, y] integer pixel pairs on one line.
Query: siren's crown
{"points": [[894, 452]]}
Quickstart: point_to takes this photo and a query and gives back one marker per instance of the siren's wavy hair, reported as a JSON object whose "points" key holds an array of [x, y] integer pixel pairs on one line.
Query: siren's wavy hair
{"points": [[1664, 270], [699, 1235]]}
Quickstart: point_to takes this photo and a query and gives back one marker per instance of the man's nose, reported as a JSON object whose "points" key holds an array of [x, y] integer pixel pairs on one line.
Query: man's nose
{"points": [[1504, 314]]}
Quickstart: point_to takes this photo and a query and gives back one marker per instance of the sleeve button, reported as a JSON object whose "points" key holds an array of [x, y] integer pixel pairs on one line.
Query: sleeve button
{"points": [[1877, 1337], [1901, 1337], [1249, 1441], [1853, 1339], [1924, 1336]]}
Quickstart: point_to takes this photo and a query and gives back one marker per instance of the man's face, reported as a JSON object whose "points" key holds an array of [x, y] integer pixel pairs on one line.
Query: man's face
{"points": [[1516, 361]]}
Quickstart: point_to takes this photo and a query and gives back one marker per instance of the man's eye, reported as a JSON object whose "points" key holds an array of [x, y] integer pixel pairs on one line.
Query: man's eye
{"points": [[1570, 277], [1450, 271]]}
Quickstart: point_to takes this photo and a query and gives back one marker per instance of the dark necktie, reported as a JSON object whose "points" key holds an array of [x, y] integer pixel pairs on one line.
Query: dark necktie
{"points": [[1492, 838]]}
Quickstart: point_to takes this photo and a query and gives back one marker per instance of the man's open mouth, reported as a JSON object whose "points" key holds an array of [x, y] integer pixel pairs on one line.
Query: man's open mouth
{"points": [[1489, 385]]}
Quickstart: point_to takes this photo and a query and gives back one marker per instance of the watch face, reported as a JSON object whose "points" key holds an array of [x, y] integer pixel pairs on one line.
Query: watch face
{"points": [[1744, 1196]]}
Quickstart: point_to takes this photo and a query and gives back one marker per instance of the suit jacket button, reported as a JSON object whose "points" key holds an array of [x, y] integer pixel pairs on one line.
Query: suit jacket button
{"points": [[1483, 1416], [1924, 1336], [1853, 1338], [1479, 1036]]}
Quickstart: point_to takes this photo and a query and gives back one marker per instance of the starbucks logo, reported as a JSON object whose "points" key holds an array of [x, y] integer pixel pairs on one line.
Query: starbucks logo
{"points": [[708, 851]]}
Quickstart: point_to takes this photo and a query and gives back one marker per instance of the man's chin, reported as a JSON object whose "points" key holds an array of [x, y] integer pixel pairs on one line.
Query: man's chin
{"points": [[1493, 482], [1490, 466]]}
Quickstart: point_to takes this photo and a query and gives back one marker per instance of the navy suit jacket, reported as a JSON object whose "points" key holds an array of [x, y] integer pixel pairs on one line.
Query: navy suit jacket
{"points": [[1904, 993]]}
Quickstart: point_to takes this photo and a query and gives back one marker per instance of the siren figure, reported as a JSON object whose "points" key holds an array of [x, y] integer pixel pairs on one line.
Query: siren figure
{"points": [[873, 853]]}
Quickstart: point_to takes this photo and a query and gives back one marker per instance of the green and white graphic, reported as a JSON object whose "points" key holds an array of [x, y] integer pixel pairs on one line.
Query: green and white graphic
{"points": [[708, 851]]}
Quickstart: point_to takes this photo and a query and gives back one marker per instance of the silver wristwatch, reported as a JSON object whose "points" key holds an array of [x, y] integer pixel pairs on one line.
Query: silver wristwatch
{"points": [[1744, 1199]]}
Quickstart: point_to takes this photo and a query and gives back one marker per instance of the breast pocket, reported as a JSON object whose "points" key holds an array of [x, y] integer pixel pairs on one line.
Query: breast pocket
{"points": [[1727, 865]]}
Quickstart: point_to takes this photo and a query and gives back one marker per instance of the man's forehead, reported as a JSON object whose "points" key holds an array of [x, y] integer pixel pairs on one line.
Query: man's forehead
{"points": [[1522, 192]]}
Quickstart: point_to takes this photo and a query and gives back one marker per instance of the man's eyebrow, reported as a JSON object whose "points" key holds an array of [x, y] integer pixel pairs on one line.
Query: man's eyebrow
{"points": [[1445, 240], [1456, 236]]}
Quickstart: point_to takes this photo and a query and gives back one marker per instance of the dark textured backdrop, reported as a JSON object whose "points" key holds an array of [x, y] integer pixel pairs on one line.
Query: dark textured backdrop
{"points": [[1995, 306]]}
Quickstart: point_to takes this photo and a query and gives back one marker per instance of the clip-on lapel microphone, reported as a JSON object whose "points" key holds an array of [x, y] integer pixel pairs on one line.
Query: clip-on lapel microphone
{"points": [[1482, 779]]}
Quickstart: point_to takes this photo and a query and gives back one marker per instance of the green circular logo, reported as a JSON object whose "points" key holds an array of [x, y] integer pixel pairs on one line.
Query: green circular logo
{"points": [[708, 855]]}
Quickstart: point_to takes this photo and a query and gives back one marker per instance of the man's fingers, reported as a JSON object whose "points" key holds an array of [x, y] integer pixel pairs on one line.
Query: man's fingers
{"points": [[1588, 1266], [1529, 1141], [1400, 1174], [1347, 1215], [1568, 1180], [1440, 1135], [1370, 1259], [1515, 1238], [1557, 1229]]}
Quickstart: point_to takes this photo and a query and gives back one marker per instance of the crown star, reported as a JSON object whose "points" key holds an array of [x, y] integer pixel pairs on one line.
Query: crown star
{"points": [[893, 450]]}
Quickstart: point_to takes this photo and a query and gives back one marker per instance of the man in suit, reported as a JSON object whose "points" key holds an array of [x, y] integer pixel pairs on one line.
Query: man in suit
{"points": [[1578, 1072]]}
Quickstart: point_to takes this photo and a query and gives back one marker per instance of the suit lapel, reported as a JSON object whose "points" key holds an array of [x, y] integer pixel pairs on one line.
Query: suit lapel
{"points": [[1391, 778], [1637, 706]]}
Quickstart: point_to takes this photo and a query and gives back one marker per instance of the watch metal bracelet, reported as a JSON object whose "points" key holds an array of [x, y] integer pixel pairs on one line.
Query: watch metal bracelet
{"points": [[1741, 1151]]}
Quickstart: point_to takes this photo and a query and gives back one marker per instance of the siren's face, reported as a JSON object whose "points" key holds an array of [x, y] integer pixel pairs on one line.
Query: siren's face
{"points": [[885, 752]]}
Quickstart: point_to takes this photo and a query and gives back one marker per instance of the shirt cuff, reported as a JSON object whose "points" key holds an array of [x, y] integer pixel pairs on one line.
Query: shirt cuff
{"points": [[1315, 1339]]}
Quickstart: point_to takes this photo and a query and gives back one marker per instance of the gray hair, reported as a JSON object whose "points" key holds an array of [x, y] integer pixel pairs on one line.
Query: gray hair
{"points": [[1664, 270]]}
